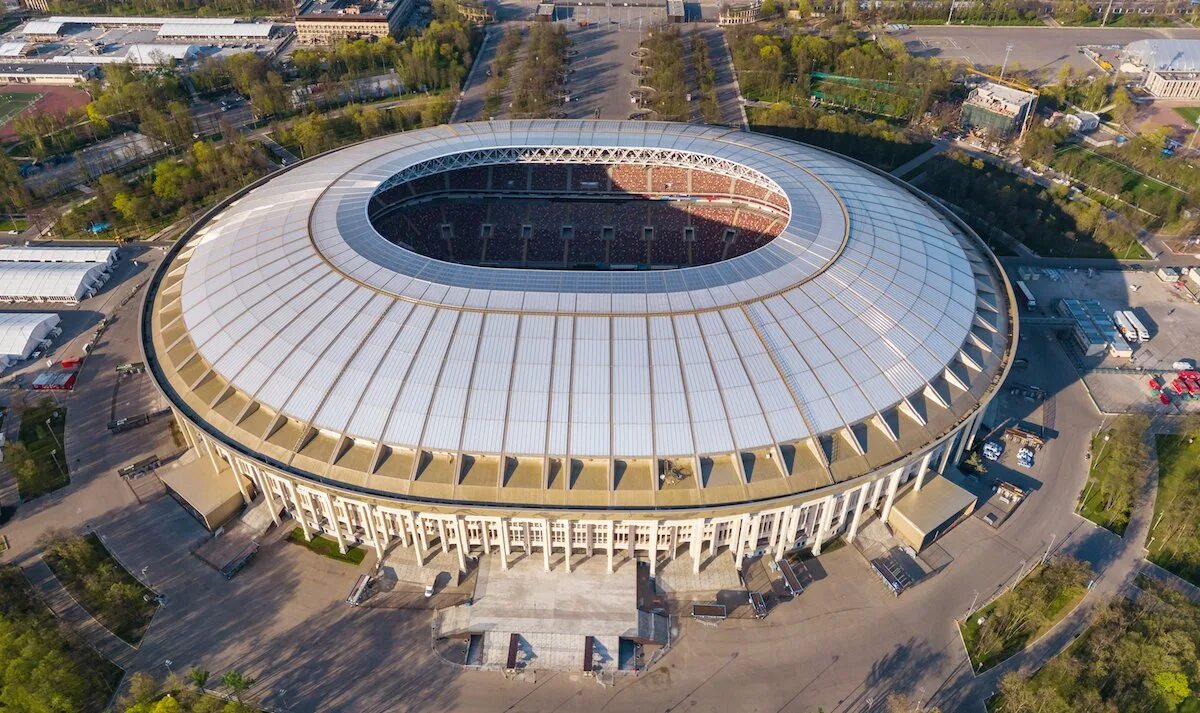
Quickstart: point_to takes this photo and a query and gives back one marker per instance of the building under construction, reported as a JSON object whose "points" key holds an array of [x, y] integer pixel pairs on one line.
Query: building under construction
{"points": [[996, 108]]}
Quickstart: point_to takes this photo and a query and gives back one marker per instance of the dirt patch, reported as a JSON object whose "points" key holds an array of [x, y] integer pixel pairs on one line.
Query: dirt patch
{"points": [[55, 100]]}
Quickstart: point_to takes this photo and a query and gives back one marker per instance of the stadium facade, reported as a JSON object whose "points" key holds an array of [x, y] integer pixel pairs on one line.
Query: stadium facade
{"points": [[693, 399]]}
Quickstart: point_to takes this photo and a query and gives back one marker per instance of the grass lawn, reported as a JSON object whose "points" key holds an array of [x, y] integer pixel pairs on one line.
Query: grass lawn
{"points": [[1058, 608], [1174, 545], [1093, 507], [7, 224], [102, 586], [1135, 182], [41, 468], [15, 103], [323, 545], [1190, 114]]}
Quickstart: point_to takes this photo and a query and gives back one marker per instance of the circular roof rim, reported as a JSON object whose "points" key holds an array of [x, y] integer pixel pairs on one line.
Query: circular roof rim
{"points": [[770, 258]]}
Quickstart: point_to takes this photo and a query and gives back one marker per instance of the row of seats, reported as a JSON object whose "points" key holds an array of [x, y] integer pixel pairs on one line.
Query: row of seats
{"points": [[581, 177], [566, 234]]}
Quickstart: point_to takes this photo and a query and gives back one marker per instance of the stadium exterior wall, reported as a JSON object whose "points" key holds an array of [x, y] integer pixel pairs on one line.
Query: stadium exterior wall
{"points": [[382, 520]]}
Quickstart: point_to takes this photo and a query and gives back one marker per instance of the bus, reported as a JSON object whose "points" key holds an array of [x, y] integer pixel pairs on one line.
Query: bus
{"points": [[1025, 296]]}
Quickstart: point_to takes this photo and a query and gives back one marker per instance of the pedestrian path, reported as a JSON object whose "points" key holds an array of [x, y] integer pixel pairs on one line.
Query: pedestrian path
{"points": [[69, 611], [937, 148]]}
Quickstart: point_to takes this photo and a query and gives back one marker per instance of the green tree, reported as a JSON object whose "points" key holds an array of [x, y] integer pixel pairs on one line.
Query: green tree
{"points": [[198, 677], [237, 682]]}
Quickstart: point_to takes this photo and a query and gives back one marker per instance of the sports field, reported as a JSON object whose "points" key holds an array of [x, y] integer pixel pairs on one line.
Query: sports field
{"points": [[15, 103], [1190, 113]]}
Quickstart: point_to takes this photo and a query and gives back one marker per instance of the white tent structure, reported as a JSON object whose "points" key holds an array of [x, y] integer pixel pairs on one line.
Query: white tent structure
{"points": [[22, 333], [67, 282], [106, 256]]}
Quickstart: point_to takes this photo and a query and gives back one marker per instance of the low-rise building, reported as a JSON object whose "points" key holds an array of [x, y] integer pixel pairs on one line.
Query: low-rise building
{"points": [[997, 108], [475, 12], [1172, 66], [46, 73], [326, 21], [739, 13]]}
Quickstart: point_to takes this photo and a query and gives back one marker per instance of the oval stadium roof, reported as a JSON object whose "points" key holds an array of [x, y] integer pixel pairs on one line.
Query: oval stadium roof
{"points": [[870, 327]]}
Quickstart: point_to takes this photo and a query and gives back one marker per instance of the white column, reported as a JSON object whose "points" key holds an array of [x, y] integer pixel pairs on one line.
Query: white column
{"points": [[696, 544], [443, 538], [823, 524], [299, 514], [265, 484], [781, 529], [653, 548], [327, 502], [567, 542], [845, 507], [611, 544], [485, 527], [420, 537], [893, 484], [876, 490], [460, 534], [505, 543], [738, 541], [546, 544], [921, 472], [858, 511]]}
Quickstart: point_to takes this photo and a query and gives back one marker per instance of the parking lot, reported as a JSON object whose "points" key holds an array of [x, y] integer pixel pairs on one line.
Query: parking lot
{"points": [[1168, 311]]}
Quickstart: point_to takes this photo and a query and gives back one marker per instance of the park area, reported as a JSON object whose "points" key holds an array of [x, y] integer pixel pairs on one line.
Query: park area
{"points": [[36, 458], [102, 586], [1139, 654], [1174, 541], [1021, 615], [1118, 468], [1113, 177], [1190, 114], [44, 666]]}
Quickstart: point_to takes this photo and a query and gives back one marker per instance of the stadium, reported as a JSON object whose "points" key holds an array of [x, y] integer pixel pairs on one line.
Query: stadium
{"points": [[639, 339]]}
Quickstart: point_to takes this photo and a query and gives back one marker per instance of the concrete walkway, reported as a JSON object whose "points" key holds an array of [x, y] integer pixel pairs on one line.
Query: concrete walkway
{"points": [[64, 606], [938, 148]]}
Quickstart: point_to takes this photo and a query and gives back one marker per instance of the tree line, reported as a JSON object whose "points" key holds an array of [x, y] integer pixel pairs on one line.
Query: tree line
{"points": [[1139, 656], [665, 73], [543, 72]]}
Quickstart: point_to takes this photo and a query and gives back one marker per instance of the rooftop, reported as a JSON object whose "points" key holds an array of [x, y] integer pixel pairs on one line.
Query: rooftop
{"points": [[1165, 55], [352, 9], [999, 98]]}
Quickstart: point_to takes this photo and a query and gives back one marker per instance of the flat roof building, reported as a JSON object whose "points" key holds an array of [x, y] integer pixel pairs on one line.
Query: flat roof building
{"points": [[22, 333], [997, 108], [326, 21], [58, 253], [47, 72], [67, 282], [1172, 66]]}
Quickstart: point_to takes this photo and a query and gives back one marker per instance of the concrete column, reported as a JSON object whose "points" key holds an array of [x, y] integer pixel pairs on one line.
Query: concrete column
{"points": [[845, 507], [327, 504], [375, 520], [739, 541], [546, 544], [460, 534], [893, 484], [612, 536], [567, 543], [755, 524], [823, 524], [696, 544], [876, 489], [485, 527], [443, 538], [265, 485], [504, 543], [402, 531], [673, 547], [421, 535], [978, 422], [653, 548], [782, 527], [589, 536], [921, 471], [964, 435], [299, 514], [528, 541], [944, 459], [859, 506]]}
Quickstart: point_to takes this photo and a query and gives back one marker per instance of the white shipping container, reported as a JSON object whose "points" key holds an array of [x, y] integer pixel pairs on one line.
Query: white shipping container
{"points": [[1143, 333], [1124, 327]]}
